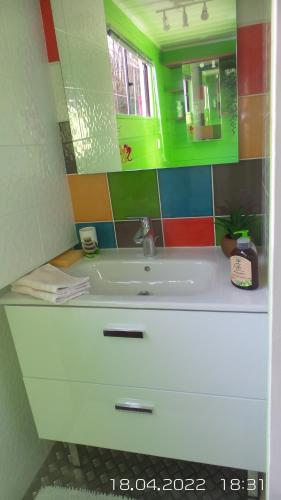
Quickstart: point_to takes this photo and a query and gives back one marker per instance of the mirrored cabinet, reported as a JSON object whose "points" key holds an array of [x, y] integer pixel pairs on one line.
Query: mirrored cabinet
{"points": [[149, 84]]}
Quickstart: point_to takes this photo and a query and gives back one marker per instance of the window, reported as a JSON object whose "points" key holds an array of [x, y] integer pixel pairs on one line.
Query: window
{"points": [[132, 79]]}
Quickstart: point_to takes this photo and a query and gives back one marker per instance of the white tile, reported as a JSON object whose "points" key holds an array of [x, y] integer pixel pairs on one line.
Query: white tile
{"points": [[16, 186], [86, 69], [87, 23], [252, 12], [58, 90], [20, 249], [33, 191], [54, 222]]}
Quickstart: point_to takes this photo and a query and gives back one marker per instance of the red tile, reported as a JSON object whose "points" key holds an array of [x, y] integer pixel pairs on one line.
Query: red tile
{"points": [[194, 232], [251, 52], [49, 30]]}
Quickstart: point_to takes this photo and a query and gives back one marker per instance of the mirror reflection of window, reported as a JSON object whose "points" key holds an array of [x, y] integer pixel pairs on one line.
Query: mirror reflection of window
{"points": [[203, 99], [132, 79]]}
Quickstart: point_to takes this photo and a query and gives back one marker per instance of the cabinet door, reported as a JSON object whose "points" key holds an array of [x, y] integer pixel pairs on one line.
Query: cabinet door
{"points": [[189, 351], [208, 429]]}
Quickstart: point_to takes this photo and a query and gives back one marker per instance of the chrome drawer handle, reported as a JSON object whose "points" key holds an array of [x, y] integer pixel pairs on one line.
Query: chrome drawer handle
{"points": [[136, 407], [128, 334]]}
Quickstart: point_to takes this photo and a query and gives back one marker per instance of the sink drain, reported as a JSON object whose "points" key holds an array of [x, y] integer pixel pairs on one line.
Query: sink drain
{"points": [[145, 292]]}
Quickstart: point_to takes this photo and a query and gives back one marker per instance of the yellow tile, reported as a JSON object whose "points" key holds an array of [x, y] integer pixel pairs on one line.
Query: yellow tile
{"points": [[252, 130], [90, 197]]}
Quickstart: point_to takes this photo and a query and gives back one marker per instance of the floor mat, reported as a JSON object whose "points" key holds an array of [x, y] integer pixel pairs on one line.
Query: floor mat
{"points": [[103, 470], [58, 493]]}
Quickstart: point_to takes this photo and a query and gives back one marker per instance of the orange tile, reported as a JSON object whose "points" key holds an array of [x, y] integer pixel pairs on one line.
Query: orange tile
{"points": [[90, 197], [252, 119]]}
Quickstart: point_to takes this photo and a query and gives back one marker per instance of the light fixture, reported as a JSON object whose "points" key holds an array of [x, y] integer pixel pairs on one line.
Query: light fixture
{"points": [[182, 5], [205, 13], [184, 18], [166, 25]]}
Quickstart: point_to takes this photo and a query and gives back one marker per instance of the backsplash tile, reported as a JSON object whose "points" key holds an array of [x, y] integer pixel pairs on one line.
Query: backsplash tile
{"points": [[186, 192], [69, 158], [251, 75], [90, 197], [48, 24], [65, 132], [134, 194], [105, 233], [125, 231], [237, 186], [252, 112], [198, 231]]}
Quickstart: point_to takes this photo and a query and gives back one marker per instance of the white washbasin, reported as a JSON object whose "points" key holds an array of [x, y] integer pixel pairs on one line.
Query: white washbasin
{"points": [[151, 277]]}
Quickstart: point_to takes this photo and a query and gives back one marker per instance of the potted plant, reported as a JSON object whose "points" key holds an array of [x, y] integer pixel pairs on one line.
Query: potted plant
{"points": [[237, 220]]}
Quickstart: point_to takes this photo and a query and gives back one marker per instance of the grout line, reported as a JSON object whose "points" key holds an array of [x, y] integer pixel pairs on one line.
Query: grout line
{"points": [[252, 95], [110, 202], [153, 218], [213, 199], [192, 217], [228, 215], [93, 221], [160, 206], [246, 159], [158, 218]]}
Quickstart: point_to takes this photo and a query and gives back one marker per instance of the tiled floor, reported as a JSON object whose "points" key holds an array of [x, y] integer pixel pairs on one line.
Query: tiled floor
{"points": [[101, 466]]}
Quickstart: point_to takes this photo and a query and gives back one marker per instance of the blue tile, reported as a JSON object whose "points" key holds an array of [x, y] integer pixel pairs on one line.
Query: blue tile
{"points": [[186, 191], [105, 233]]}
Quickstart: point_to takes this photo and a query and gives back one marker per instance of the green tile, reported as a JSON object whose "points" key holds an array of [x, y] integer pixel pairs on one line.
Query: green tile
{"points": [[256, 231], [134, 194]]}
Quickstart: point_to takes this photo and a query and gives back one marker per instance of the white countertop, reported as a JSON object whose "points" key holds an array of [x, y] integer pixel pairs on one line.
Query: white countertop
{"points": [[222, 296]]}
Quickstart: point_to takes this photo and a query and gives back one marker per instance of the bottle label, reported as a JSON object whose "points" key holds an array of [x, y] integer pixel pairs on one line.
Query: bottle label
{"points": [[241, 271]]}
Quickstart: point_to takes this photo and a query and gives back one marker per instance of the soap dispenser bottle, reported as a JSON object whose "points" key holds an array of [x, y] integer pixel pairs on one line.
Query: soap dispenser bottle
{"points": [[244, 264]]}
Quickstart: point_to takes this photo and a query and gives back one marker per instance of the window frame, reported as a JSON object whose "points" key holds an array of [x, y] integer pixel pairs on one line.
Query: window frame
{"points": [[147, 82]]}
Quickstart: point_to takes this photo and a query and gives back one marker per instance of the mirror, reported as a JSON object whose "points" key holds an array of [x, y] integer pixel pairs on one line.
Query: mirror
{"points": [[149, 83], [202, 92]]}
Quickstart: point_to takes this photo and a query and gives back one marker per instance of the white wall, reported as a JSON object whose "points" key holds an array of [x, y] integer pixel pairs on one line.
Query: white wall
{"points": [[35, 215], [21, 452], [35, 208], [274, 450]]}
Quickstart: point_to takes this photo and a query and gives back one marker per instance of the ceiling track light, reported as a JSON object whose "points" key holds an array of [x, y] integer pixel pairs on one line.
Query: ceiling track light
{"points": [[180, 4], [184, 18], [205, 13], [166, 25]]}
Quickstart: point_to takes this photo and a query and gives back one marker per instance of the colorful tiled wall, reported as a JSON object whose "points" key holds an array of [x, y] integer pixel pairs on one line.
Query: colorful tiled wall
{"points": [[184, 202]]}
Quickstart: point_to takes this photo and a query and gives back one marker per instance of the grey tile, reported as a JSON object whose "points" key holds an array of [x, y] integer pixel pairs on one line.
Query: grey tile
{"points": [[65, 132], [69, 158], [125, 231], [238, 185]]}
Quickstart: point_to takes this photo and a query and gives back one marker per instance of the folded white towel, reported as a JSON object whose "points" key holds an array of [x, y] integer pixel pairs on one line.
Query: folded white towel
{"points": [[55, 298], [50, 279], [51, 284]]}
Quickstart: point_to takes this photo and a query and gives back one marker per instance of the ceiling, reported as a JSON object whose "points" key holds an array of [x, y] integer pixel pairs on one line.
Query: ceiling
{"points": [[220, 24]]}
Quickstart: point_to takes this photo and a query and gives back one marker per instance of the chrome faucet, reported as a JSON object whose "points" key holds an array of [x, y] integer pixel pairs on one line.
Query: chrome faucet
{"points": [[145, 236]]}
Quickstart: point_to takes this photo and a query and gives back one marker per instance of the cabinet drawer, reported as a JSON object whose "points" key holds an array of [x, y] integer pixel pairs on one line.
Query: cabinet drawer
{"points": [[202, 352], [216, 430]]}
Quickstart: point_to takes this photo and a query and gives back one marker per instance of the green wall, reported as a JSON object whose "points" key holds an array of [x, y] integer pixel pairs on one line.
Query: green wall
{"points": [[141, 133], [145, 134]]}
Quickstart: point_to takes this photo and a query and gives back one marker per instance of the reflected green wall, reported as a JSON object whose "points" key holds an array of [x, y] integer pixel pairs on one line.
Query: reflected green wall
{"points": [[142, 134], [145, 135]]}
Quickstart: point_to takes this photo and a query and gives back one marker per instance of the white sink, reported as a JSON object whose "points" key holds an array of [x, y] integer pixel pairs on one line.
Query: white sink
{"points": [[151, 277]]}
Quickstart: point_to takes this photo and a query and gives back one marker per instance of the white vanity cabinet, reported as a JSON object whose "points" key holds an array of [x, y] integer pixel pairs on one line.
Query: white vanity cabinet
{"points": [[182, 384]]}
